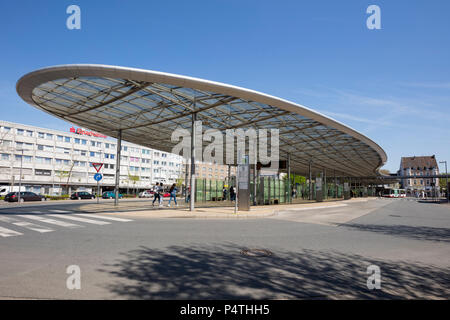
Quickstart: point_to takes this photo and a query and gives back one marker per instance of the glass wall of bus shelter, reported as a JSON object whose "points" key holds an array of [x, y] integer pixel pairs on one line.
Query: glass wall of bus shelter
{"points": [[271, 190], [359, 191]]}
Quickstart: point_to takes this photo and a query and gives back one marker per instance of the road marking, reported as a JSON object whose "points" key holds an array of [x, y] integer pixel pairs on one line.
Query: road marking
{"points": [[24, 224], [8, 233], [32, 226], [79, 219], [103, 217], [60, 211], [8, 219], [50, 221]]}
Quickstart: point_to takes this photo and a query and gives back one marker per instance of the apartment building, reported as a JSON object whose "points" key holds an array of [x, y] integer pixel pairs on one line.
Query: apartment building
{"points": [[422, 168], [55, 162]]}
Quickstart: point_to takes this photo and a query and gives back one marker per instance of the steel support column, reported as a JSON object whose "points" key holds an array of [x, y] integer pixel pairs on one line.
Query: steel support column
{"points": [[118, 155], [310, 182], [186, 181], [289, 178], [193, 138], [335, 185], [254, 173], [20, 177]]}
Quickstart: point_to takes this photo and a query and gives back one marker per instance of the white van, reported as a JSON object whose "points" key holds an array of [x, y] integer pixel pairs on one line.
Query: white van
{"points": [[4, 190]]}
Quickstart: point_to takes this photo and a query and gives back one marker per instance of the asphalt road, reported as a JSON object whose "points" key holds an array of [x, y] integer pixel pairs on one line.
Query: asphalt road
{"points": [[312, 254]]}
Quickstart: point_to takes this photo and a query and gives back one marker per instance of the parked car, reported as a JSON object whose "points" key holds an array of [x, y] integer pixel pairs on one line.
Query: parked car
{"points": [[110, 195], [146, 194], [82, 195], [166, 195], [24, 196]]}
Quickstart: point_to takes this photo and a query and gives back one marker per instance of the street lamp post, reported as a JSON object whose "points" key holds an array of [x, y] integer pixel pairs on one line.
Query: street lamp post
{"points": [[20, 176], [446, 180]]}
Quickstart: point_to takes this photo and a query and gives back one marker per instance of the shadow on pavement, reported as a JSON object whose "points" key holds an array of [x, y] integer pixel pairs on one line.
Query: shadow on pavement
{"points": [[222, 272], [410, 232]]}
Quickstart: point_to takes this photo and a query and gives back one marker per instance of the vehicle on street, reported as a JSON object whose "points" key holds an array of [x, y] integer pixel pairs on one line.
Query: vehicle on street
{"points": [[24, 196], [110, 195], [146, 194], [394, 193], [4, 190], [82, 195]]}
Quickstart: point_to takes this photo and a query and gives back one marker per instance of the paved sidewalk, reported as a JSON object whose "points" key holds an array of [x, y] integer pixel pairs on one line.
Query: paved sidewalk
{"points": [[228, 212]]}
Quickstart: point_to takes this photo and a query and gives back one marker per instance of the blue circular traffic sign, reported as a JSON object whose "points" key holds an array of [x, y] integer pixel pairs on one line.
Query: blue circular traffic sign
{"points": [[98, 176]]}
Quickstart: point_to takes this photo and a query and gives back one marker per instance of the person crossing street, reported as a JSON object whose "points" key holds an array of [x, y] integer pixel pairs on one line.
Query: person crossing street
{"points": [[156, 194], [173, 194]]}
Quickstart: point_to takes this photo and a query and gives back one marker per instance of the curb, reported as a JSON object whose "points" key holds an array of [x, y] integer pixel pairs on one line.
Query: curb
{"points": [[200, 216]]}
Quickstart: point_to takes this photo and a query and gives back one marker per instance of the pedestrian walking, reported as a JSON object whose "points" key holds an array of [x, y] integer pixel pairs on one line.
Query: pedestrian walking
{"points": [[232, 194], [173, 194], [156, 194], [224, 193]]}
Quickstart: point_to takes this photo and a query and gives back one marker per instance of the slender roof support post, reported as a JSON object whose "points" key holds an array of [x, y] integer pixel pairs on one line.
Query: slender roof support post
{"points": [[116, 187], [289, 178], [20, 177], [254, 174], [186, 181], [310, 181], [193, 138], [335, 184], [350, 183]]}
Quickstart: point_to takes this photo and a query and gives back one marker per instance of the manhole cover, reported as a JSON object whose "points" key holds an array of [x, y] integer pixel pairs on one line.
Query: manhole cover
{"points": [[256, 253]]}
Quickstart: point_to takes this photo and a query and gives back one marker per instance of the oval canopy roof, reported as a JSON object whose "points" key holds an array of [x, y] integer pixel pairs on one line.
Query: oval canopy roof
{"points": [[148, 105]]}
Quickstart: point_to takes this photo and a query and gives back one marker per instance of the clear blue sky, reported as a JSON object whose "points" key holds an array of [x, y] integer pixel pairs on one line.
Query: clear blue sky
{"points": [[393, 84]]}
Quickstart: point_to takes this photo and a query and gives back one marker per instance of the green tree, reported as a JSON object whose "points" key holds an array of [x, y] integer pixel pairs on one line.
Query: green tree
{"points": [[179, 182], [134, 179]]}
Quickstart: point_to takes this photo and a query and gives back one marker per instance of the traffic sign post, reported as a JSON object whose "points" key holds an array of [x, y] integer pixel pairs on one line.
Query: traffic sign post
{"points": [[97, 166], [98, 177]]}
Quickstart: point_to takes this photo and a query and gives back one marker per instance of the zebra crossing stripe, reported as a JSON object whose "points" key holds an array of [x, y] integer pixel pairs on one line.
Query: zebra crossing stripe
{"points": [[50, 221], [8, 233], [103, 217], [24, 224], [8, 219], [60, 211], [80, 219], [32, 226]]}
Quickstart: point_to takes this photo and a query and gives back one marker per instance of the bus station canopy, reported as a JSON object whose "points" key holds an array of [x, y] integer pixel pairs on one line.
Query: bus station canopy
{"points": [[147, 106]]}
